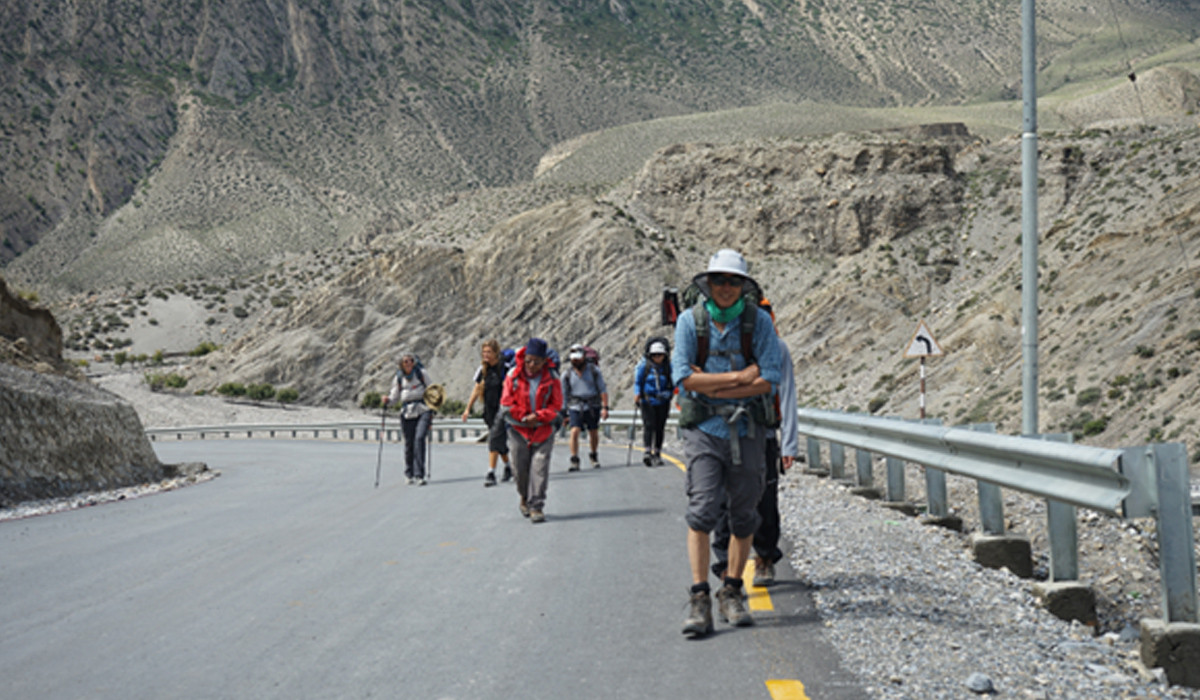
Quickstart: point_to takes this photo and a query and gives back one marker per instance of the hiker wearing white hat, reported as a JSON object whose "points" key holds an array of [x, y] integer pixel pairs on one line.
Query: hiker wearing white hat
{"points": [[653, 389], [725, 358]]}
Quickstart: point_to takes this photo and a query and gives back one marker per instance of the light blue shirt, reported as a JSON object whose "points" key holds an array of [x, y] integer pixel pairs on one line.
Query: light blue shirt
{"points": [[789, 428], [725, 355]]}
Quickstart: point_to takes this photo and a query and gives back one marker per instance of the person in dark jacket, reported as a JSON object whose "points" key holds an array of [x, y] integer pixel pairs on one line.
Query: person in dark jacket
{"points": [[489, 386], [531, 401]]}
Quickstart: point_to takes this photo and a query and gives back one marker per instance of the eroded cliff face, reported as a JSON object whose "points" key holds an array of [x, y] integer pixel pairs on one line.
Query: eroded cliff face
{"points": [[60, 434]]}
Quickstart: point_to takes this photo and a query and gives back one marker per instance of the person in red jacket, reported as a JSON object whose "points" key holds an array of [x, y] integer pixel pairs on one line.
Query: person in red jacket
{"points": [[531, 400]]}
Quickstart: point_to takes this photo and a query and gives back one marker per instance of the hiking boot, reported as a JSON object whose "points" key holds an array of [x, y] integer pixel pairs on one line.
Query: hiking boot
{"points": [[699, 621], [574, 464], [595, 460], [764, 573], [421, 481], [410, 481], [523, 508], [732, 607], [507, 473], [537, 516], [648, 460], [658, 460], [490, 479]]}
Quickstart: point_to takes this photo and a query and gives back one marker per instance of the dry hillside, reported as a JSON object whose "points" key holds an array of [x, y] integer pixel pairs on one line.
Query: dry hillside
{"points": [[856, 237]]}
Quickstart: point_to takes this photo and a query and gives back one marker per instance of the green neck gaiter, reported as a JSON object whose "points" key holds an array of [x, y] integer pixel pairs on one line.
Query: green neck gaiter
{"points": [[724, 315]]}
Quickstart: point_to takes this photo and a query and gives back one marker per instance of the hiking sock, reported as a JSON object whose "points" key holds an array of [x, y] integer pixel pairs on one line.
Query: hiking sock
{"points": [[734, 583], [701, 587]]}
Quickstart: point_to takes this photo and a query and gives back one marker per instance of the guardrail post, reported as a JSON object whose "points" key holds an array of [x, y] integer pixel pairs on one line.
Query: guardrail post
{"points": [[814, 457], [1063, 531], [837, 461], [991, 501], [863, 461], [895, 479], [1176, 544]]}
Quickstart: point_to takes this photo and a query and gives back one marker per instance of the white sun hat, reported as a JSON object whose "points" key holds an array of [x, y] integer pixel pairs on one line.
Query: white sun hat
{"points": [[725, 260]]}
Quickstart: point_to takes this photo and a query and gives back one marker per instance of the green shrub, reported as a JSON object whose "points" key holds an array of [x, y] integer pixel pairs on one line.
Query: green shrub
{"points": [[156, 381], [876, 403], [120, 358], [1087, 396], [203, 349], [232, 389], [452, 407], [287, 395], [261, 392], [371, 399], [176, 381]]}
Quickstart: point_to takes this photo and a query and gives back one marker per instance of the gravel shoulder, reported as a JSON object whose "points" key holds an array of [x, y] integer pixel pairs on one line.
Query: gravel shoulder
{"points": [[916, 618]]}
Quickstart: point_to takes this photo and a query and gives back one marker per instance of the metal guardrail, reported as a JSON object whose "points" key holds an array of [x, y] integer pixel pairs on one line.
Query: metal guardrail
{"points": [[1147, 480]]}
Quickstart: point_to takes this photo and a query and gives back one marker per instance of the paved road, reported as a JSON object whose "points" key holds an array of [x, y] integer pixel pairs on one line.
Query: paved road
{"points": [[289, 576]]}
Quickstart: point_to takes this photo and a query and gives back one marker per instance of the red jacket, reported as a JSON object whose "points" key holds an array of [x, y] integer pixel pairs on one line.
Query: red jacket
{"points": [[516, 399]]}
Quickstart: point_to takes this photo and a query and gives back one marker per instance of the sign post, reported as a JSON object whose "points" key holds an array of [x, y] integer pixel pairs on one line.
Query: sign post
{"points": [[923, 345]]}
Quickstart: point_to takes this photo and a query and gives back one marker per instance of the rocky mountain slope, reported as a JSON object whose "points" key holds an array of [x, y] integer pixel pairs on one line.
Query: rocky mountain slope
{"points": [[856, 238], [153, 142]]}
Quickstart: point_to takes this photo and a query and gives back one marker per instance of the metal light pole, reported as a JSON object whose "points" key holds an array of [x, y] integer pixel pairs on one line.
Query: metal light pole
{"points": [[1029, 224]]}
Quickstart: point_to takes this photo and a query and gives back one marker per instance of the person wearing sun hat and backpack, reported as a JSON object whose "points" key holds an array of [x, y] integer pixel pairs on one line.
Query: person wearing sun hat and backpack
{"points": [[653, 389], [726, 363]]}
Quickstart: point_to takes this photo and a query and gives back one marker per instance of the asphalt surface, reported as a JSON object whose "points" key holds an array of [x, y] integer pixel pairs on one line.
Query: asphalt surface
{"points": [[290, 576]]}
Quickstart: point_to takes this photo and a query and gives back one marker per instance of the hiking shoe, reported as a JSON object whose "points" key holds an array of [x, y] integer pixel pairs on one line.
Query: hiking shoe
{"points": [[421, 481], [523, 508], [732, 607], [648, 460], [537, 516], [658, 460], [507, 473], [574, 464], [490, 479], [410, 481], [595, 460], [764, 573], [699, 621]]}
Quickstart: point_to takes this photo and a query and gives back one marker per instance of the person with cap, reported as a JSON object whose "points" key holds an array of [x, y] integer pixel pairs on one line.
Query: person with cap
{"points": [[489, 385], [408, 388], [653, 389], [586, 397], [782, 449], [529, 404], [723, 372]]}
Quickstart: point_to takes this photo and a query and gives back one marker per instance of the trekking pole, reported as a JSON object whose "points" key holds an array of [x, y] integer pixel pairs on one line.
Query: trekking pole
{"points": [[632, 430], [382, 428], [429, 451]]}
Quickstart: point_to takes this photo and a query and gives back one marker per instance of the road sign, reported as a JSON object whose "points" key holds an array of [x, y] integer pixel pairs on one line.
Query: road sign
{"points": [[923, 343]]}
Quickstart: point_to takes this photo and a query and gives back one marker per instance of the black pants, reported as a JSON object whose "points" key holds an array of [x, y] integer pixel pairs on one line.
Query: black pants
{"points": [[766, 537], [654, 425]]}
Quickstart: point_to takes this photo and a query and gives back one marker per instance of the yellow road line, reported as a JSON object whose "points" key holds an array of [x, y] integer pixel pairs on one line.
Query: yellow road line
{"points": [[759, 597], [786, 690]]}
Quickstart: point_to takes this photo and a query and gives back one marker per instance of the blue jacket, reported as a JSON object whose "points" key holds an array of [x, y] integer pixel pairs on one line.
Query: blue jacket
{"points": [[653, 382]]}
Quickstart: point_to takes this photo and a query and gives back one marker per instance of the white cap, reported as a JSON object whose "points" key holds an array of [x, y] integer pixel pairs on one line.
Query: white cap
{"points": [[657, 348], [575, 355]]}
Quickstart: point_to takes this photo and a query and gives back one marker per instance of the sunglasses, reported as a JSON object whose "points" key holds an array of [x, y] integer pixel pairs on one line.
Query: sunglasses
{"points": [[717, 280]]}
